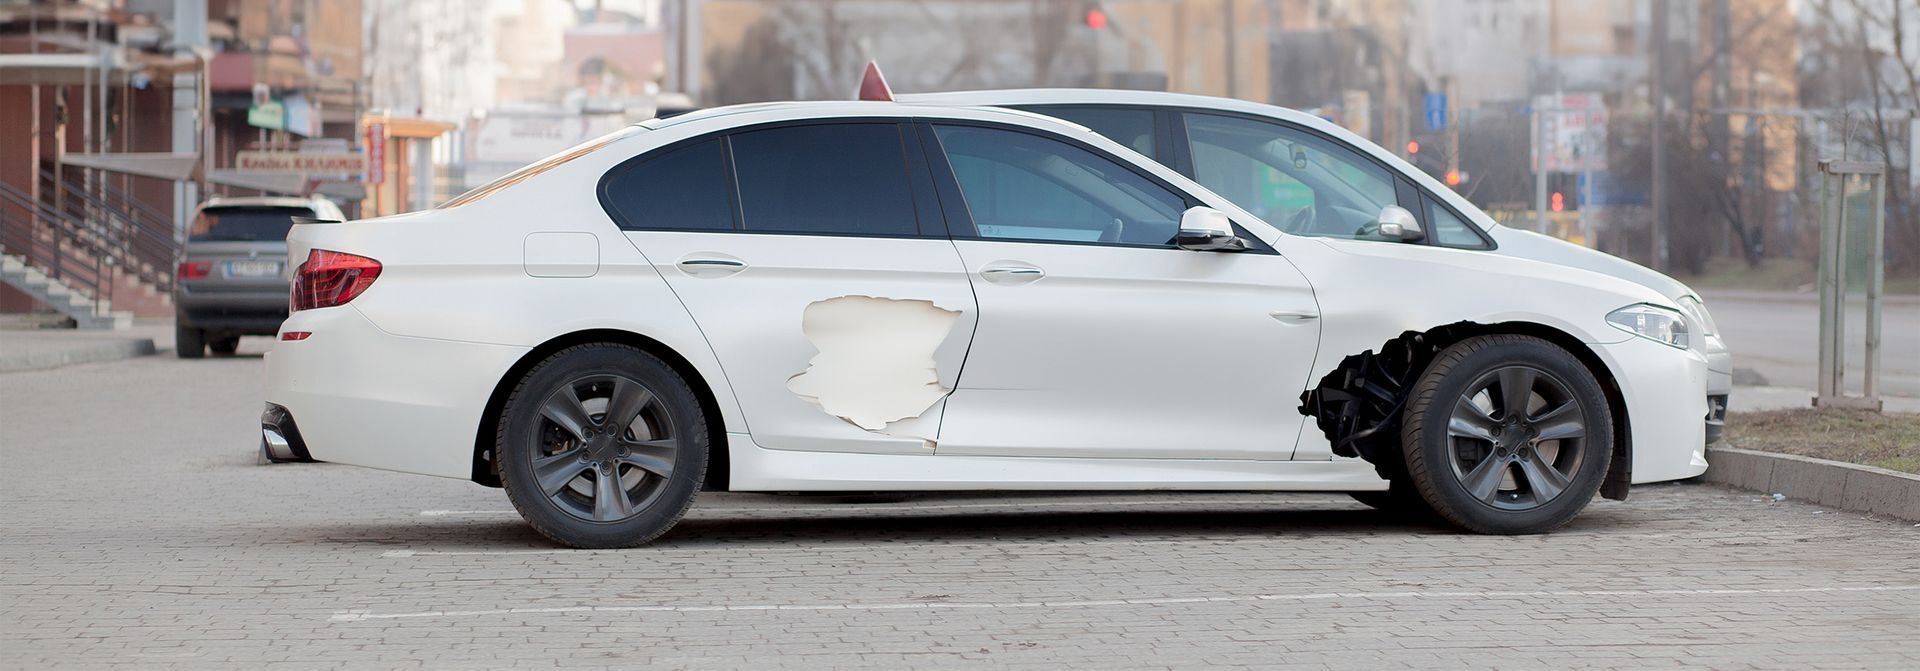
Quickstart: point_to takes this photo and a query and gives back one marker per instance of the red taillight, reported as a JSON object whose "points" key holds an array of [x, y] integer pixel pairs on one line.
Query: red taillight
{"points": [[195, 270], [296, 335], [330, 278]]}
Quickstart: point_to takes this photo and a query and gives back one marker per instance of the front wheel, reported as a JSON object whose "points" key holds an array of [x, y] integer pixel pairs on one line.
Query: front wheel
{"points": [[602, 446], [1507, 434]]}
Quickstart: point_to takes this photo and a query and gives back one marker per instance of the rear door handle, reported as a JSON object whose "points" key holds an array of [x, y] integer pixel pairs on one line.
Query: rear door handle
{"points": [[710, 265], [1011, 273], [1294, 316]]}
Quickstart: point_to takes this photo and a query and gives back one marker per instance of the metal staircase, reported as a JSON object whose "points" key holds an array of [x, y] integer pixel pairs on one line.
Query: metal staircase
{"points": [[70, 257]]}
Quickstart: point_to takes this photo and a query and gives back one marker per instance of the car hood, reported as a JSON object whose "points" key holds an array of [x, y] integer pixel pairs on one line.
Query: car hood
{"points": [[1530, 245]]}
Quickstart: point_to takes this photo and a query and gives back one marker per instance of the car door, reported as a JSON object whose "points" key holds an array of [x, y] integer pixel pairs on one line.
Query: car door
{"points": [[1098, 337], [815, 262]]}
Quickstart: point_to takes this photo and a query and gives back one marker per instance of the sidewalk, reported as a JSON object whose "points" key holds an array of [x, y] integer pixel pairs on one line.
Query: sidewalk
{"points": [[38, 349]]}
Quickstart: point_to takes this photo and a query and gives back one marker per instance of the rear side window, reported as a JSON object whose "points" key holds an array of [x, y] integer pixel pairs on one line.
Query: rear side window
{"points": [[682, 189], [245, 223], [1130, 127], [841, 179]]}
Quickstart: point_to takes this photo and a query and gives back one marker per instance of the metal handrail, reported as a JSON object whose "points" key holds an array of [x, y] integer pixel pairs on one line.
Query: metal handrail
{"points": [[139, 238], [46, 246]]}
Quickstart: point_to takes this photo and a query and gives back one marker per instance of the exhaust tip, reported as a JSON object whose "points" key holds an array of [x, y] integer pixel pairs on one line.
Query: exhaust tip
{"points": [[280, 441]]}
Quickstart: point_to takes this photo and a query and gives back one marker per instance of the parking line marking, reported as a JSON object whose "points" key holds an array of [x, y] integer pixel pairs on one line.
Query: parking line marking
{"points": [[363, 615]]}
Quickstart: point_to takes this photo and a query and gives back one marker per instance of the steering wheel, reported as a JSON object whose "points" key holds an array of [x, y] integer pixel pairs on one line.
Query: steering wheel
{"points": [[1300, 221]]}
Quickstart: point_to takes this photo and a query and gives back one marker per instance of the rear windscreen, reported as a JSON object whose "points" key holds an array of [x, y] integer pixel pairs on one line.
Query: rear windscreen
{"points": [[246, 223]]}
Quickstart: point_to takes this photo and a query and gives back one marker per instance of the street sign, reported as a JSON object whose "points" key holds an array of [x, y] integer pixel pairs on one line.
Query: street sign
{"points": [[376, 153], [305, 163], [1436, 111], [1574, 127]]}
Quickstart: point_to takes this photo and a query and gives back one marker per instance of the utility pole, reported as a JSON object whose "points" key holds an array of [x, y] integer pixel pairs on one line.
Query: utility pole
{"points": [[1541, 145], [1657, 90]]}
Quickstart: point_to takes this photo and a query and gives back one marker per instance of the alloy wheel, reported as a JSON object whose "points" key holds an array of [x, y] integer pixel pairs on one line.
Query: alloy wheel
{"points": [[1516, 438], [606, 447]]}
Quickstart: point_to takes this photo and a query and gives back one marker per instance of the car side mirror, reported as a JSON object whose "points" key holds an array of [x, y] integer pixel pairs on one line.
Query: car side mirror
{"points": [[1204, 229], [1396, 223]]}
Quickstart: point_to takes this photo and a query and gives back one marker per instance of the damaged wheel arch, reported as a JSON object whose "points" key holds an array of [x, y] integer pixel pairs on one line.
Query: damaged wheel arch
{"points": [[1359, 404]]}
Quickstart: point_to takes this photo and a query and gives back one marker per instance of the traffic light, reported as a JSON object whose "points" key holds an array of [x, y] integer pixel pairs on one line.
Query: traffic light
{"points": [[1413, 147], [1096, 17], [1559, 202], [1454, 178]]}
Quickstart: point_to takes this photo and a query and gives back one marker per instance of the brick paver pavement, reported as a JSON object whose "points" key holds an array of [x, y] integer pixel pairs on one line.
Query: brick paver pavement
{"points": [[138, 531]]}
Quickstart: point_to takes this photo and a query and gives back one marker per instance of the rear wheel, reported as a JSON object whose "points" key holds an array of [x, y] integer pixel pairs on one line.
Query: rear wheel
{"points": [[224, 345], [602, 446], [1507, 434], [189, 342]]}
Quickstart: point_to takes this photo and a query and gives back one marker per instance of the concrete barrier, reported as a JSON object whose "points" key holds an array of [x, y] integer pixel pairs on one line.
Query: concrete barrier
{"points": [[1819, 481]]}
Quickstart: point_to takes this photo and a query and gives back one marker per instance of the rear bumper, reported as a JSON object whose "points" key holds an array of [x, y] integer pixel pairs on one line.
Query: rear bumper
{"points": [[369, 398], [249, 313]]}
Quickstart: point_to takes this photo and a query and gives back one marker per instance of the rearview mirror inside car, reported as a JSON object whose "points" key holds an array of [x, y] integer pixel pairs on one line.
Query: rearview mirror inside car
{"points": [[1204, 229]]}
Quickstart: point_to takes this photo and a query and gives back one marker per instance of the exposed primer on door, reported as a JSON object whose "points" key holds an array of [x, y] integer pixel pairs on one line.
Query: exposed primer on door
{"points": [[875, 363]]}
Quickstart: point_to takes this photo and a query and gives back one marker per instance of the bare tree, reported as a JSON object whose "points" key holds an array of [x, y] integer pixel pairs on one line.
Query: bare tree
{"points": [[1891, 70]]}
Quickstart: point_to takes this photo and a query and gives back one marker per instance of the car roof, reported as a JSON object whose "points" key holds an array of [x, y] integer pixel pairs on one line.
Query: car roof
{"points": [[840, 108]]}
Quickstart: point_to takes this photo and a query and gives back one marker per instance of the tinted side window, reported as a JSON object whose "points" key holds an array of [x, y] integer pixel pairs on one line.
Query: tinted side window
{"points": [[1298, 181], [848, 179], [1130, 127], [682, 189], [1450, 230], [1020, 186]]}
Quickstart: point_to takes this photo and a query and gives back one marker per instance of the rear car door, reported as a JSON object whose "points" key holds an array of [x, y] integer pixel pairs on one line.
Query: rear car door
{"points": [[813, 258], [1099, 337]]}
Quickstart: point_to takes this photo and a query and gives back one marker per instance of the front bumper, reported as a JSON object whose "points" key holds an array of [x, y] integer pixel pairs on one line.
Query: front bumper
{"points": [[1665, 390], [369, 398]]}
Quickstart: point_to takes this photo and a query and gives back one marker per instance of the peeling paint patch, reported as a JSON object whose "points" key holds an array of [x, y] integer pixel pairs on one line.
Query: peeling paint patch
{"points": [[875, 363]]}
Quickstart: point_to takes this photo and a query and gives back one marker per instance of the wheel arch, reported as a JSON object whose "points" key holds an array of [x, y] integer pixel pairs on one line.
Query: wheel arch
{"points": [[484, 469], [1355, 405]]}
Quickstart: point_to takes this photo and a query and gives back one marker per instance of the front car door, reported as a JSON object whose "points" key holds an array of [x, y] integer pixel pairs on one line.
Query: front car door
{"points": [[1099, 338], [813, 258]]}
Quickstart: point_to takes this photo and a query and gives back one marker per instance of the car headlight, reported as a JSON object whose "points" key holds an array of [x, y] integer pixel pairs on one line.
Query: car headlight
{"points": [[1697, 310], [1653, 322]]}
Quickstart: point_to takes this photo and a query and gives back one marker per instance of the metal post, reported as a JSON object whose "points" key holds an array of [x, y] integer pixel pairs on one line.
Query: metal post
{"points": [[1657, 88], [1876, 274], [1832, 388]]}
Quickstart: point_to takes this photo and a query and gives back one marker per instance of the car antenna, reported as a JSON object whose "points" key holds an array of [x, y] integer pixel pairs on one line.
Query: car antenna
{"points": [[873, 86]]}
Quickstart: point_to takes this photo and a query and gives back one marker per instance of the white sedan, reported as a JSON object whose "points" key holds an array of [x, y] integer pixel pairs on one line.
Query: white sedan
{"points": [[884, 296]]}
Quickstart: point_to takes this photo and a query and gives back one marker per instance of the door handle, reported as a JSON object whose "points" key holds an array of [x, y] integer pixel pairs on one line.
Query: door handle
{"points": [[1011, 274], [1294, 316], [714, 265]]}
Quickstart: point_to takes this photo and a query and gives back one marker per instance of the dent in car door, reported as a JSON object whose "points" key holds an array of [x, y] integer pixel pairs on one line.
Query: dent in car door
{"points": [[837, 318], [1101, 339]]}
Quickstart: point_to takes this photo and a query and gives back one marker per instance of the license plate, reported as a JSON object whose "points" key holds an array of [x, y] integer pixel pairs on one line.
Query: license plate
{"points": [[253, 268]]}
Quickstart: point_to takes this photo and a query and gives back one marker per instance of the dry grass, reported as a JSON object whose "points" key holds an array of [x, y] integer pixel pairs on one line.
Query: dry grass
{"points": [[1886, 440]]}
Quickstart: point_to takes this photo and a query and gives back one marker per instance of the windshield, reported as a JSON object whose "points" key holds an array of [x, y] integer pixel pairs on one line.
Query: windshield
{"points": [[246, 223]]}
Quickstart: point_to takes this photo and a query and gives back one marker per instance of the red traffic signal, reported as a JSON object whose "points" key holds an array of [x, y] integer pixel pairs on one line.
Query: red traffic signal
{"points": [[1096, 18], [1413, 146], [1559, 202]]}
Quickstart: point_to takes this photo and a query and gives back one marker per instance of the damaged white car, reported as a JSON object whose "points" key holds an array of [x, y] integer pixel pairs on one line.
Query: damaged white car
{"points": [[882, 296]]}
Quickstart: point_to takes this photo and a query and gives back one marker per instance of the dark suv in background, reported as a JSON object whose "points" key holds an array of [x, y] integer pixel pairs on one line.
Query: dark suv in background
{"points": [[233, 274]]}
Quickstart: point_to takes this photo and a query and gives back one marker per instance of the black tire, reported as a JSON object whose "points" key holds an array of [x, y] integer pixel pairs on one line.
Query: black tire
{"points": [[188, 342], [580, 506], [225, 345], [1492, 470]]}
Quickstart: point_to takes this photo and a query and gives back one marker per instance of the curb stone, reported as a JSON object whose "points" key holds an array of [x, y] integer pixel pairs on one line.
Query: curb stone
{"points": [[95, 352], [1820, 481]]}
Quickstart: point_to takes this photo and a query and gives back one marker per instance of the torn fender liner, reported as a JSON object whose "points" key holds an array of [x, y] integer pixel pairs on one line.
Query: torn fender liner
{"points": [[876, 358], [1358, 404]]}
